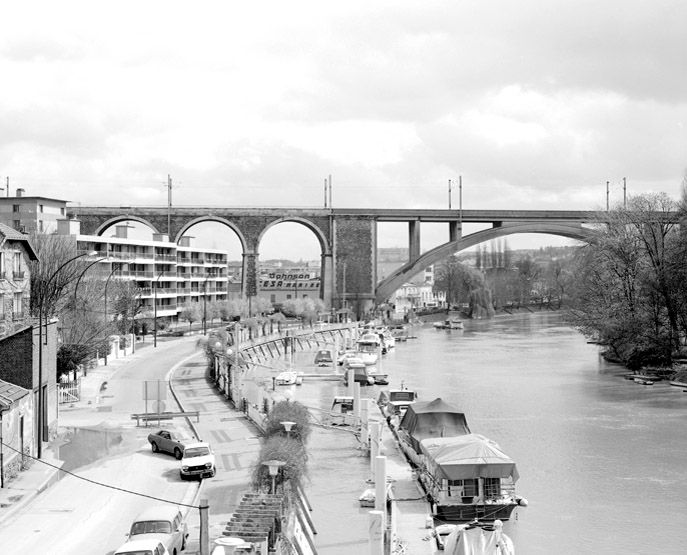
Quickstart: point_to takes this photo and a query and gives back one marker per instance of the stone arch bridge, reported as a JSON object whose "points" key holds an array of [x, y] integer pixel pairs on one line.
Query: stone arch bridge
{"points": [[347, 237]]}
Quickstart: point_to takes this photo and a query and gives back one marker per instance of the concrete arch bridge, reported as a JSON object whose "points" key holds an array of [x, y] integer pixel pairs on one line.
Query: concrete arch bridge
{"points": [[347, 237]]}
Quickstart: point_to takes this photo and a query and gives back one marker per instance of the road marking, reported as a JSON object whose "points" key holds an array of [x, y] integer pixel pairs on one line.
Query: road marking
{"points": [[221, 436]]}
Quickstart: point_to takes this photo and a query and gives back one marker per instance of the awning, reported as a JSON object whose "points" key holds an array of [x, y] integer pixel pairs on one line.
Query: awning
{"points": [[465, 457]]}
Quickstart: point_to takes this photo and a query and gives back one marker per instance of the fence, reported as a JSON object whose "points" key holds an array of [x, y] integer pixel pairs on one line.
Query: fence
{"points": [[69, 392]]}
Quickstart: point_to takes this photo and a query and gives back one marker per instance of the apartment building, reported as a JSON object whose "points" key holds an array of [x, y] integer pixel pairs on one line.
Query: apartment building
{"points": [[29, 214], [169, 276]]}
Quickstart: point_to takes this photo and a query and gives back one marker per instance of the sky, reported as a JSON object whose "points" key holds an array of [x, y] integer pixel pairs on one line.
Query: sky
{"points": [[535, 105]]}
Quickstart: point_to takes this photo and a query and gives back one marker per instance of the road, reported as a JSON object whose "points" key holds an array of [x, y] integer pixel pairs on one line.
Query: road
{"points": [[103, 445]]}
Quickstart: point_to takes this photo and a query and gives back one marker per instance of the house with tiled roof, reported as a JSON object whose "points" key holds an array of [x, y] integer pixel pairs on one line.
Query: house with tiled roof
{"points": [[25, 361], [16, 429]]}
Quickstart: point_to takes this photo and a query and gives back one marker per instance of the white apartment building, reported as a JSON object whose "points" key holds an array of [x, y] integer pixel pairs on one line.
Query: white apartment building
{"points": [[169, 276]]}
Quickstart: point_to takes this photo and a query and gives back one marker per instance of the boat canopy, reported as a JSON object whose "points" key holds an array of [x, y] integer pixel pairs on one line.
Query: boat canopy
{"points": [[432, 419], [465, 457]]}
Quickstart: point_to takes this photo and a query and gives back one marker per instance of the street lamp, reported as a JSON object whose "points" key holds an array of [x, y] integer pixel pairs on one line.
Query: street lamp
{"points": [[155, 284], [107, 281], [273, 467], [288, 426], [41, 311], [205, 304]]}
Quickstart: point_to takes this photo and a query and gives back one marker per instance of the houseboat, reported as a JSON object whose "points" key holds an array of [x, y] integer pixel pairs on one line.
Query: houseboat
{"points": [[426, 420], [468, 478]]}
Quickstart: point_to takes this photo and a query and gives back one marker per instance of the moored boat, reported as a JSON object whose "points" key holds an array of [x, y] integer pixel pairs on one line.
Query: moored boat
{"points": [[475, 538], [449, 324], [368, 346], [468, 478], [394, 402], [428, 419]]}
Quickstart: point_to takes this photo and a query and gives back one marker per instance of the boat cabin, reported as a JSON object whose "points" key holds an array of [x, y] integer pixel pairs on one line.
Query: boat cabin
{"points": [[395, 402], [342, 413], [361, 373]]}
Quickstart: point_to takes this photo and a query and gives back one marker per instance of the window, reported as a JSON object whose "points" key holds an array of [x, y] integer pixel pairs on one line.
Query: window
{"points": [[2, 306], [16, 224], [15, 208], [492, 488], [2, 265], [463, 488], [62, 211], [16, 262], [40, 207], [40, 226], [17, 305]]}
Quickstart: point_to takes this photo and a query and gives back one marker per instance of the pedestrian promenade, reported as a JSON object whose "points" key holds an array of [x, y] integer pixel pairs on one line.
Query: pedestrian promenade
{"points": [[338, 469]]}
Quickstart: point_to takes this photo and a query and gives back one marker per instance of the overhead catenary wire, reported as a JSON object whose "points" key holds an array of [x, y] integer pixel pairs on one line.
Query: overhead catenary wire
{"points": [[101, 484]]}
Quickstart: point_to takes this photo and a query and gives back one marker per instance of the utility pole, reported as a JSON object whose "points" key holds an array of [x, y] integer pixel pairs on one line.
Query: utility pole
{"points": [[460, 203], [607, 207], [330, 190], [325, 193], [449, 194], [624, 193], [169, 206]]}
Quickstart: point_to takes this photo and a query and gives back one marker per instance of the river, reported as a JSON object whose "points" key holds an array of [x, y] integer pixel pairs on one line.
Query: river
{"points": [[601, 459]]}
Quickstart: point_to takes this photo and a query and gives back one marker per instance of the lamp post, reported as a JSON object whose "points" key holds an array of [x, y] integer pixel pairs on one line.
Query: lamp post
{"points": [[107, 281], [288, 426], [41, 311], [155, 284], [273, 467], [205, 305]]}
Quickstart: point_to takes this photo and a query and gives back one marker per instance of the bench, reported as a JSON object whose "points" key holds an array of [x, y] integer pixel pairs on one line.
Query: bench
{"points": [[158, 416]]}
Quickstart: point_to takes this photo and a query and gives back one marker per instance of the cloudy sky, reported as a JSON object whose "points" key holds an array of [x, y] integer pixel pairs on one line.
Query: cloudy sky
{"points": [[535, 104]]}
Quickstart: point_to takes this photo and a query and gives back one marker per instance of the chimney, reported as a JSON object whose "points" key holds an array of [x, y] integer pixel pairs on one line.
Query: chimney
{"points": [[68, 227], [20, 192]]}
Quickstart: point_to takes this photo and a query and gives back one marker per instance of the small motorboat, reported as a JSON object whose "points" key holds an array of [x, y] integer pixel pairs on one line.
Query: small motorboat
{"points": [[323, 357], [643, 381], [289, 378], [449, 324], [341, 413], [485, 539]]}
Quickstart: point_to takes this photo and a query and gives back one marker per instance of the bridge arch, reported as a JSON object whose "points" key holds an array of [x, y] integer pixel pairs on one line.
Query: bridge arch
{"points": [[202, 219], [124, 218], [309, 224], [570, 230]]}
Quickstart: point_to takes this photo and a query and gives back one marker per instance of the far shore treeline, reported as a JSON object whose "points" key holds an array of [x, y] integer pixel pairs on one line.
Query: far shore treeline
{"points": [[626, 289]]}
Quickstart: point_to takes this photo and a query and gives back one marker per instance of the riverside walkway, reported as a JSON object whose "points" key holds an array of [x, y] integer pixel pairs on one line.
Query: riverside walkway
{"points": [[338, 465]]}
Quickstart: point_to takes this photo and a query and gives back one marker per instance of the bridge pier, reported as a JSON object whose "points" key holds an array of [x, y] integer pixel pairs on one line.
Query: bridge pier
{"points": [[455, 231], [413, 240]]}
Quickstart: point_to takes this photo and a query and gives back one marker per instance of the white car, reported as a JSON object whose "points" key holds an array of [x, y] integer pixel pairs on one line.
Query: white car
{"points": [[142, 547], [198, 461], [161, 524]]}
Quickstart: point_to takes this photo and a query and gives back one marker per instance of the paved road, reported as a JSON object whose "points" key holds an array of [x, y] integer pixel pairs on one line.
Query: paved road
{"points": [[103, 445]]}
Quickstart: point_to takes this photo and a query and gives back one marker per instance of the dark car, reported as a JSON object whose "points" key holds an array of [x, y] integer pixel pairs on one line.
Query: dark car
{"points": [[168, 442]]}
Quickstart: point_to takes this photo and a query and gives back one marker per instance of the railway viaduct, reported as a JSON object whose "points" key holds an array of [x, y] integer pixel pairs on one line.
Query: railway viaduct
{"points": [[347, 237]]}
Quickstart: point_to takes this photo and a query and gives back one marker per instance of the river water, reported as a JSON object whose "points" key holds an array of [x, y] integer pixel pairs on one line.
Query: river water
{"points": [[602, 460]]}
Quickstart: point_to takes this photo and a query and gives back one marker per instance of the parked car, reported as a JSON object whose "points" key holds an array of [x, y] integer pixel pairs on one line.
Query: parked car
{"points": [[160, 523], [142, 547], [198, 461], [168, 442]]}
